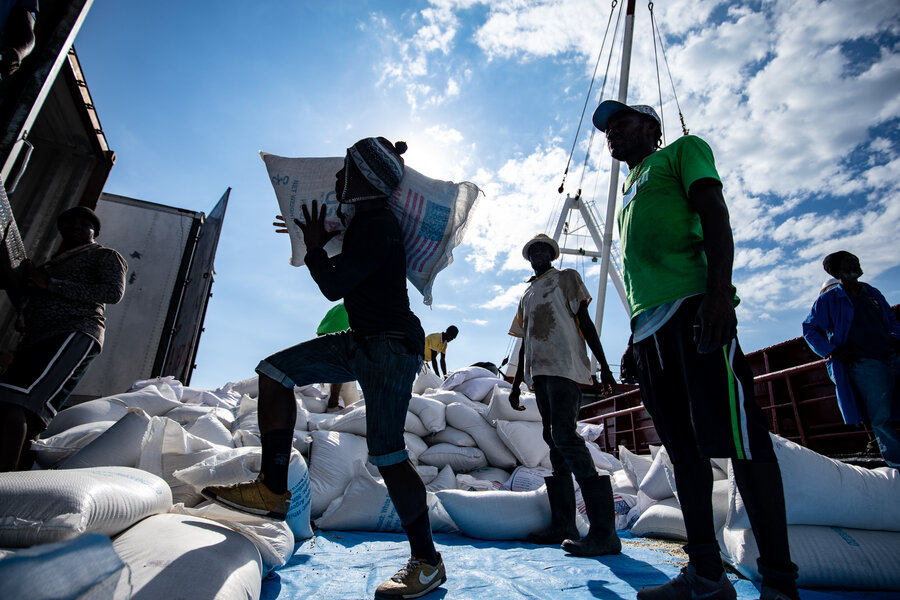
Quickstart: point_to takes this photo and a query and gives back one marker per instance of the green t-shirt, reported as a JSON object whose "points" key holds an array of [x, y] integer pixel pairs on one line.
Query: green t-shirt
{"points": [[661, 237], [335, 320]]}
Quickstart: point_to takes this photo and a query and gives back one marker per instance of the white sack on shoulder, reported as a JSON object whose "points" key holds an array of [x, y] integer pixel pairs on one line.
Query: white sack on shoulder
{"points": [[173, 555], [465, 418], [433, 214], [38, 507]]}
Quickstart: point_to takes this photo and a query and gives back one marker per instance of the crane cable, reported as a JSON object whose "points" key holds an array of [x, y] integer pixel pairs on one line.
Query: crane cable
{"points": [[590, 88], [654, 26]]}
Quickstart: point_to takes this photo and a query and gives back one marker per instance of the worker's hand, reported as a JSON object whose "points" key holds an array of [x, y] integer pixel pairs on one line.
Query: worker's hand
{"points": [[608, 381], [514, 395], [628, 365], [37, 276], [715, 324], [844, 354], [314, 234], [9, 62], [280, 225]]}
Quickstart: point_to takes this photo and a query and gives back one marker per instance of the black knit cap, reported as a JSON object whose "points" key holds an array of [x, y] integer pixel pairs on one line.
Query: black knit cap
{"points": [[80, 211]]}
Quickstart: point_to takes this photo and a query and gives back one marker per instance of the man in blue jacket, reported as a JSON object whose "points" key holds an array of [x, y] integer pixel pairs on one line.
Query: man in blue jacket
{"points": [[853, 326]]}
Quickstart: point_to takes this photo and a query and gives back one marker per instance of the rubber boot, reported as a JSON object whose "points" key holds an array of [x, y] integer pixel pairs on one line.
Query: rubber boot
{"points": [[598, 503], [561, 492]]}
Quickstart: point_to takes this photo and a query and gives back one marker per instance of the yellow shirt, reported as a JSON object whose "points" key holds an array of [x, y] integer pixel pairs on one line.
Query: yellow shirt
{"points": [[434, 343]]}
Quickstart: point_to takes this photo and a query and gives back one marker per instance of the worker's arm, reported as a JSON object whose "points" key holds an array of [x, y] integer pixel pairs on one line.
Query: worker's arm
{"points": [[589, 332], [18, 40], [444, 364], [337, 276], [715, 316], [516, 391], [434, 365]]}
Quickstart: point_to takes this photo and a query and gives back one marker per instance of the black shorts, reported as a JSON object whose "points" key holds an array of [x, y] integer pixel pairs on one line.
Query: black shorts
{"points": [[42, 376], [702, 405]]}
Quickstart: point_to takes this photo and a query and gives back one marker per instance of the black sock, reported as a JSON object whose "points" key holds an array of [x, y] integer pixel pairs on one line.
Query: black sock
{"points": [[276, 455], [407, 493]]}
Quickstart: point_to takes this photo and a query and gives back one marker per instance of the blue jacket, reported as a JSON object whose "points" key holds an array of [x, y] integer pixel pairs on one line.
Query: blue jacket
{"points": [[828, 326]]}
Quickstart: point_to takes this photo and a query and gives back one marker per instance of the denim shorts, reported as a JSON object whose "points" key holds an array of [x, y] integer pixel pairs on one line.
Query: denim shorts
{"points": [[384, 367]]}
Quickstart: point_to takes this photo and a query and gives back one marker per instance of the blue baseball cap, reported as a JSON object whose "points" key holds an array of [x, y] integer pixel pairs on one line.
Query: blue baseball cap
{"points": [[608, 108]]}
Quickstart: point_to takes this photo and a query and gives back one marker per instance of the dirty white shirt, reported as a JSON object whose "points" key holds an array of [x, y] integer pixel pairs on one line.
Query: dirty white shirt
{"points": [[546, 320]]}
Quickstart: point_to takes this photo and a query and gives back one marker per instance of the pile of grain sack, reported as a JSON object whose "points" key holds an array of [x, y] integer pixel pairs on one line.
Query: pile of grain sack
{"points": [[120, 480]]}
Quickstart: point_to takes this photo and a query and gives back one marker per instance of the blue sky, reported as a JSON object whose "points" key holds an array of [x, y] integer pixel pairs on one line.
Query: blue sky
{"points": [[800, 101]]}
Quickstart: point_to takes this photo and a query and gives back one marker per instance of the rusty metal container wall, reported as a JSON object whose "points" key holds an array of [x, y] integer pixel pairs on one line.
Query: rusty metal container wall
{"points": [[791, 385]]}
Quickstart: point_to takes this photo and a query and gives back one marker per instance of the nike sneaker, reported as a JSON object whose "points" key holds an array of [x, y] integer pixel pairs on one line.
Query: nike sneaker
{"points": [[414, 580]]}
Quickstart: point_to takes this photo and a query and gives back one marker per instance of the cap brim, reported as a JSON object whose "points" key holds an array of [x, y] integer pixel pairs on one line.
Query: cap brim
{"points": [[607, 109]]}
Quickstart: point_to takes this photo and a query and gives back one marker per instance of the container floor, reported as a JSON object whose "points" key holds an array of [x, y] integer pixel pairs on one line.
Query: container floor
{"points": [[348, 565]]}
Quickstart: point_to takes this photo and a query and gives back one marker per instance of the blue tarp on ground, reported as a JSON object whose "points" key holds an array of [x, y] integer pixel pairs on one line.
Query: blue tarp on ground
{"points": [[349, 565]]}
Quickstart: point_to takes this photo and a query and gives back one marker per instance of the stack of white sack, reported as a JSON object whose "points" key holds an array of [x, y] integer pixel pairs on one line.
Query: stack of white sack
{"points": [[472, 450], [130, 467], [843, 521]]}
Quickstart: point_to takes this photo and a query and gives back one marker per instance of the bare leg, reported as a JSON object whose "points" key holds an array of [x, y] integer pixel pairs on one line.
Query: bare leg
{"points": [[334, 394]]}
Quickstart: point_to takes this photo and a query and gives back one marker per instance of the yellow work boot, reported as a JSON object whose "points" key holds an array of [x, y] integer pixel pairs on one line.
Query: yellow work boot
{"points": [[251, 497]]}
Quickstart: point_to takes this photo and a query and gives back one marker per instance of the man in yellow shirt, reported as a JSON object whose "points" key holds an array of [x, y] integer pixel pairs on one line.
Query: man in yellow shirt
{"points": [[436, 343]]}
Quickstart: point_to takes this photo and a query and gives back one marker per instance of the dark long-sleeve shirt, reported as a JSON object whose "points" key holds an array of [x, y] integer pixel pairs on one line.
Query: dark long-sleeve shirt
{"points": [[370, 275], [83, 281]]}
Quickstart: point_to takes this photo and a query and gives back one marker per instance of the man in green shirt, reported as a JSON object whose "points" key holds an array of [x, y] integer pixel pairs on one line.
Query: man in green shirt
{"points": [[336, 321], [677, 254]]}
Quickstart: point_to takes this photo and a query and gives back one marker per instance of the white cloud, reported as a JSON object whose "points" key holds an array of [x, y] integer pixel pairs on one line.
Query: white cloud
{"points": [[480, 322], [505, 297]]}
